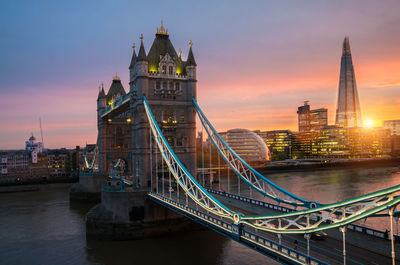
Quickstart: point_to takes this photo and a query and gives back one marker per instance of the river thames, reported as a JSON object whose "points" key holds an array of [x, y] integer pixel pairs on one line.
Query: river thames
{"points": [[43, 227]]}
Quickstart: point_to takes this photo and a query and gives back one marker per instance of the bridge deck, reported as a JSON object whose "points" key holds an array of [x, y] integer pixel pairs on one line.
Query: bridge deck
{"points": [[281, 253], [360, 248], [329, 250]]}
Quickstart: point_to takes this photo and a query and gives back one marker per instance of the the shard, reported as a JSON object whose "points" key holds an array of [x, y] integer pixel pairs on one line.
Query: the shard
{"points": [[348, 112]]}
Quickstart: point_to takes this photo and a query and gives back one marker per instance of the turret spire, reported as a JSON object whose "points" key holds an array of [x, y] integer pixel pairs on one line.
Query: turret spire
{"points": [[190, 59], [142, 53], [162, 30], [101, 92], [133, 60]]}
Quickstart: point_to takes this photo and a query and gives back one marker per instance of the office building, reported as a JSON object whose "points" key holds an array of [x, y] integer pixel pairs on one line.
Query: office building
{"points": [[311, 120]]}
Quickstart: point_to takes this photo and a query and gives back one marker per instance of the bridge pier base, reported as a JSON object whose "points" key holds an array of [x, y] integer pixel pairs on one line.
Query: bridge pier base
{"points": [[124, 215], [88, 189]]}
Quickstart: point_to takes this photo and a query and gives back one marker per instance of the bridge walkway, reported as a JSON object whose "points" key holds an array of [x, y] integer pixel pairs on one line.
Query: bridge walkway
{"points": [[358, 246], [248, 236]]}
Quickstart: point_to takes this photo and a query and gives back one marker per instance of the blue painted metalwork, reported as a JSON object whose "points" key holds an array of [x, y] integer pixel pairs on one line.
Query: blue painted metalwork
{"points": [[291, 198], [353, 227], [116, 104], [268, 247], [188, 183]]}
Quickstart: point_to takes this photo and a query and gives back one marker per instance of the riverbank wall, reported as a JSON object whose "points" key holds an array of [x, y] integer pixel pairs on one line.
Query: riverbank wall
{"points": [[33, 187], [387, 162]]}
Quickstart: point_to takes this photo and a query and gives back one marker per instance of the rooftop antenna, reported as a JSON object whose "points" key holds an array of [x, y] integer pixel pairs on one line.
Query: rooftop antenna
{"points": [[41, 131]]}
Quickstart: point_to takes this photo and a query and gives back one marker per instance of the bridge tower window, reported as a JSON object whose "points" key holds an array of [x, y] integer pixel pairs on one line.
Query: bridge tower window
{"points": [[179, 142], [171, 141]]}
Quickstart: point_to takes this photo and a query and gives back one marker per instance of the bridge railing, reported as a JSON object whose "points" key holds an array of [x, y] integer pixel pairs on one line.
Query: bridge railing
{"points": [[115, 104], [260, 241], [371, 232], [353, 227], [252, 201], [246, 236]]}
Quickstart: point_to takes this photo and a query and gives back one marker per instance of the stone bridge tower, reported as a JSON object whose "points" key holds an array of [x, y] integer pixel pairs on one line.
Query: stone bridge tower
{"points": [[113, 138], [169, 84]]}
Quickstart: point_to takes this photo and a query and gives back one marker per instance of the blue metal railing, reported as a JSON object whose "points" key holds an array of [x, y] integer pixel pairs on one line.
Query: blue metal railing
{"points": [[252, 201], [372, 232], [353, 227], [115, 104], [245, 237]]}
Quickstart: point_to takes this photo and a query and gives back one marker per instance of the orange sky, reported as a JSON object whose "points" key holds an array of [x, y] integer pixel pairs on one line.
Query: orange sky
{"points": [[257, 62]]}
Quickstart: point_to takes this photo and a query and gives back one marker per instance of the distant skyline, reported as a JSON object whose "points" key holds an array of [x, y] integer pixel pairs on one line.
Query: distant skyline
{"points": [[257, 61]]}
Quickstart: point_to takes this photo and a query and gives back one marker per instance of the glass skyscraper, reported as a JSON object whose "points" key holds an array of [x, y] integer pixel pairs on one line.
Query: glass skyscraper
{"points": [[348, 112]]}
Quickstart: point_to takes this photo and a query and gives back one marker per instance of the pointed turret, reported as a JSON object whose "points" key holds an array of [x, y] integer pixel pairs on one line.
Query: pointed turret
{"points": [[161, 46], [190, 59], [101, 98], [116, 89], [102, 94], [348, 113], [190, 64], [142, 53], [133, 60]]}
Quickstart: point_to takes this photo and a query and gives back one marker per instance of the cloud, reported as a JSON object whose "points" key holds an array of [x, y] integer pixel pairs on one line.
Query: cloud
{"points": [[390, 84]]}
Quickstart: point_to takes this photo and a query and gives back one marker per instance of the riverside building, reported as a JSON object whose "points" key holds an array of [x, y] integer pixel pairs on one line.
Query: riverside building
{"points": [[311, 120], [248, 145]]}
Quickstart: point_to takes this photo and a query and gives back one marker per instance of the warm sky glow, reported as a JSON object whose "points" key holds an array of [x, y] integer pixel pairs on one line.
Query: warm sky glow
{"points": [[256, 62]]}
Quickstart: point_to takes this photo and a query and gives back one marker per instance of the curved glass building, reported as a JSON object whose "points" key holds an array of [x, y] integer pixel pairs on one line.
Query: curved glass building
{"points": [[248, 145]]}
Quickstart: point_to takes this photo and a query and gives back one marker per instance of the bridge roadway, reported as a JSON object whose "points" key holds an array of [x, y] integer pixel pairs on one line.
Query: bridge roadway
{"points": [[328, 250]]}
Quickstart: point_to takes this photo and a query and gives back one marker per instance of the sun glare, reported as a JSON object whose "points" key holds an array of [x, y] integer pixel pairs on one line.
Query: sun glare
{"points": [[368, 123]]}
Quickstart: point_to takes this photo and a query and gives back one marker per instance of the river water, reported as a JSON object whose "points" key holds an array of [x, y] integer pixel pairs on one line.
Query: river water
{"points": [[43, 227]]}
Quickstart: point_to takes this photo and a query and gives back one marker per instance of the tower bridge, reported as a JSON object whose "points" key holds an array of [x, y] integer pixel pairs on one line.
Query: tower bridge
{"points": [[152, 128]]}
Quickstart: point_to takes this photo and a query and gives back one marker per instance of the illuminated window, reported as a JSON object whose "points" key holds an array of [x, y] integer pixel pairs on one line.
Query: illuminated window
{"points": [[182, 118], [171, 141]]}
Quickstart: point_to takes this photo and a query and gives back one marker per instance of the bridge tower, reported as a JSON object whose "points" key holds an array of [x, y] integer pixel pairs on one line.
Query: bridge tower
{"points": [[169, 84], [113, 131]]}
